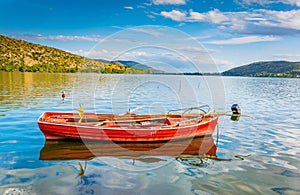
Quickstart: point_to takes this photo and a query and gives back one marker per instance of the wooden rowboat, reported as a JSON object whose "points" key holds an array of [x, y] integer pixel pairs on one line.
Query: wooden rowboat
{"points": [[78, 150], [129, 127]]}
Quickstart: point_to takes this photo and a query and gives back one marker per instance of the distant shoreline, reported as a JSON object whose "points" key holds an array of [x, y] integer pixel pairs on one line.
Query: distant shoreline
{"points": [[167, 74]]}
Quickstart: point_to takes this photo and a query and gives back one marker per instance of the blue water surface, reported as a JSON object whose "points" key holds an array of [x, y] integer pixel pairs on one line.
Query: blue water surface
{"points": [[255, 155]]}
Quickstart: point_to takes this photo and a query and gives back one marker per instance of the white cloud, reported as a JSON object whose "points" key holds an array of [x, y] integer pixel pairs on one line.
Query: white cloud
{"points": [[249, 2], [174, 15], [264, 2], [192, 49], [128, 7], [66, 38], [289, 2], [289, 57], [239, 21], [213, 16], [281, 19], [196, 16], [244, 40], [115, 54], [97, 54], [293, 2], [169, 2]]}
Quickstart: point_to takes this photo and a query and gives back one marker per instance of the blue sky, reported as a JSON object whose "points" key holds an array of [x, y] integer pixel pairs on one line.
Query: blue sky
{"points": [[233, 32]]}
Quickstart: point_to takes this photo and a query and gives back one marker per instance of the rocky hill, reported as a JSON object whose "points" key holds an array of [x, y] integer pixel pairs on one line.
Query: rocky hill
{"points": [[267, 69], [19, 55]]}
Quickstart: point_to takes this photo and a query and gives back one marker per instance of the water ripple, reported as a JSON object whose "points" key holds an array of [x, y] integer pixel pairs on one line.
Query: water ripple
{"points": [[258, 155]]}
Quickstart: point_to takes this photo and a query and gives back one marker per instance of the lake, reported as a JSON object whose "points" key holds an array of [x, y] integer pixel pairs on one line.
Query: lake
{"points": [[254, 155]]}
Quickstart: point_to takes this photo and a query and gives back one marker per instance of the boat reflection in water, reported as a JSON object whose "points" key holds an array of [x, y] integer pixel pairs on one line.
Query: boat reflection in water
{"points": [[200, 147]]}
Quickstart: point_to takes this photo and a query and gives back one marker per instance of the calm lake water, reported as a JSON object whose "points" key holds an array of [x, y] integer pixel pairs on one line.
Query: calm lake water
{"points": [[258, 155]]}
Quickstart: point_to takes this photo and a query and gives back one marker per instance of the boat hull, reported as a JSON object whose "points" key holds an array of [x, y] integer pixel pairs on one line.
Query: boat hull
{"points": [[59, 128]]}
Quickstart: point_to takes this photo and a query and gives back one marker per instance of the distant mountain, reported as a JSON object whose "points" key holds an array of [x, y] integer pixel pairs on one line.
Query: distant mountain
{"points": [[267, 69], [19, 55], [133, 64]]}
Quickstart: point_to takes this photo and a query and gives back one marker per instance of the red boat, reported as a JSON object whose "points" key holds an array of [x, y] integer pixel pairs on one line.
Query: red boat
{"points": [[129, 127], [78, 150]]}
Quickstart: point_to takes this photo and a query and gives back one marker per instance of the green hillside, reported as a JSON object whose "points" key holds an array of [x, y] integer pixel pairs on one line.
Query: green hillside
{"points": [[19, 55], [267, 69]]}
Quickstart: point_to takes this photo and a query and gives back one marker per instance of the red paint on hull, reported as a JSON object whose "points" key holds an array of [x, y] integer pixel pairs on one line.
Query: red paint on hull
{"points": [[56, 126]]}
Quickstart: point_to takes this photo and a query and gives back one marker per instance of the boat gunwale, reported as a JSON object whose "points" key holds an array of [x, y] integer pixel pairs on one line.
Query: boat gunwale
{"points": [[166, 128]]}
